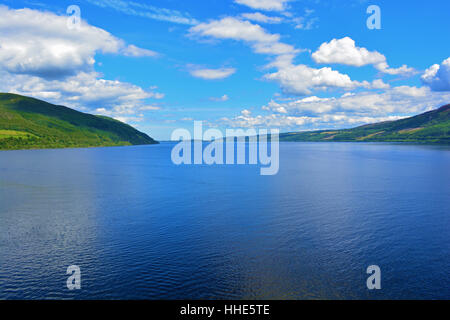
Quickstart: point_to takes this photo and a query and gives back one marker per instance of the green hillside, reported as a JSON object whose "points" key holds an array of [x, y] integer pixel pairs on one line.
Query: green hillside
{"points": [[429, 127], [27, 123]]}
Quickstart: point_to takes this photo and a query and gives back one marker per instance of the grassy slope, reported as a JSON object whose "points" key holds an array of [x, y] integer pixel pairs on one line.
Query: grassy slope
{"points": [[429, 127], [27, 123]]}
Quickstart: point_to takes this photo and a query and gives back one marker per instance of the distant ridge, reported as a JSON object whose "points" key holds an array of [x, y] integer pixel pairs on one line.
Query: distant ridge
{"points": [[429, 127], [28, 123]]}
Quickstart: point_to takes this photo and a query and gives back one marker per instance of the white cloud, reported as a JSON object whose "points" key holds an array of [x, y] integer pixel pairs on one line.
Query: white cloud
{"points": [[41, 57], [411, 91], [230, 28], [246, 112], [403, 70], [311, 104], [344, 51], [259, 17], [282, 61], [84, 91], [135, 8], [301, 79], [437, 77], [133, 51], [349, 110], [234, 29], [404, 99], [212, 74], [302, 122], [294, 79], [268, 5], [379, 84], [41, 44]]}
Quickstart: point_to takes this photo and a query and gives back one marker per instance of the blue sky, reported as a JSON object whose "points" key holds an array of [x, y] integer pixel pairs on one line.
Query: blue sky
{"points": [[292, 65]]}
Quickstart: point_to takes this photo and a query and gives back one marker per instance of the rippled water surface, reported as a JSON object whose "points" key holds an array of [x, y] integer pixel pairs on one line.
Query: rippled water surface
{"points": [[140, 227]]}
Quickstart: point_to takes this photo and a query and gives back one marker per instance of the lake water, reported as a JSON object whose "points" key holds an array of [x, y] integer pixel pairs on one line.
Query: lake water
{"points": [[140, 227]]}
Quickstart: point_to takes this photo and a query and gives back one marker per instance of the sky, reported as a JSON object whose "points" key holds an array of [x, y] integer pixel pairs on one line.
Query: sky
{"points": [[293, 65]]}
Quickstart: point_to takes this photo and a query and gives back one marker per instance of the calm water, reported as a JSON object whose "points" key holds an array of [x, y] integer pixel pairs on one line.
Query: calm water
{"points": [[140, 227]]}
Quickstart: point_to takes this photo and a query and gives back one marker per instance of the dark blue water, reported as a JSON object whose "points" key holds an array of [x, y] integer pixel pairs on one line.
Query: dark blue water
{"points": [[140, 227]]}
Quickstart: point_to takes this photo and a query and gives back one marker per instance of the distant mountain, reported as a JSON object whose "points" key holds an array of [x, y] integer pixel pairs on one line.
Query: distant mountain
{"points": [[28, 123], [428, 127]]}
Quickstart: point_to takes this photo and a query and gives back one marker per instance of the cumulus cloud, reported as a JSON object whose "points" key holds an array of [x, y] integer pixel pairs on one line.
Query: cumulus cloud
{"points": [[293, 79], [257, 37], [234, 29], [403, 70], [403, 99], [344, 51], [349, 110], [437, 77], [408, 91], [41, 57], [268, 5], [84, 91], [212, 74], [231, 28], [301, 79], [41, 44], [304, 122], [379, 84]]}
